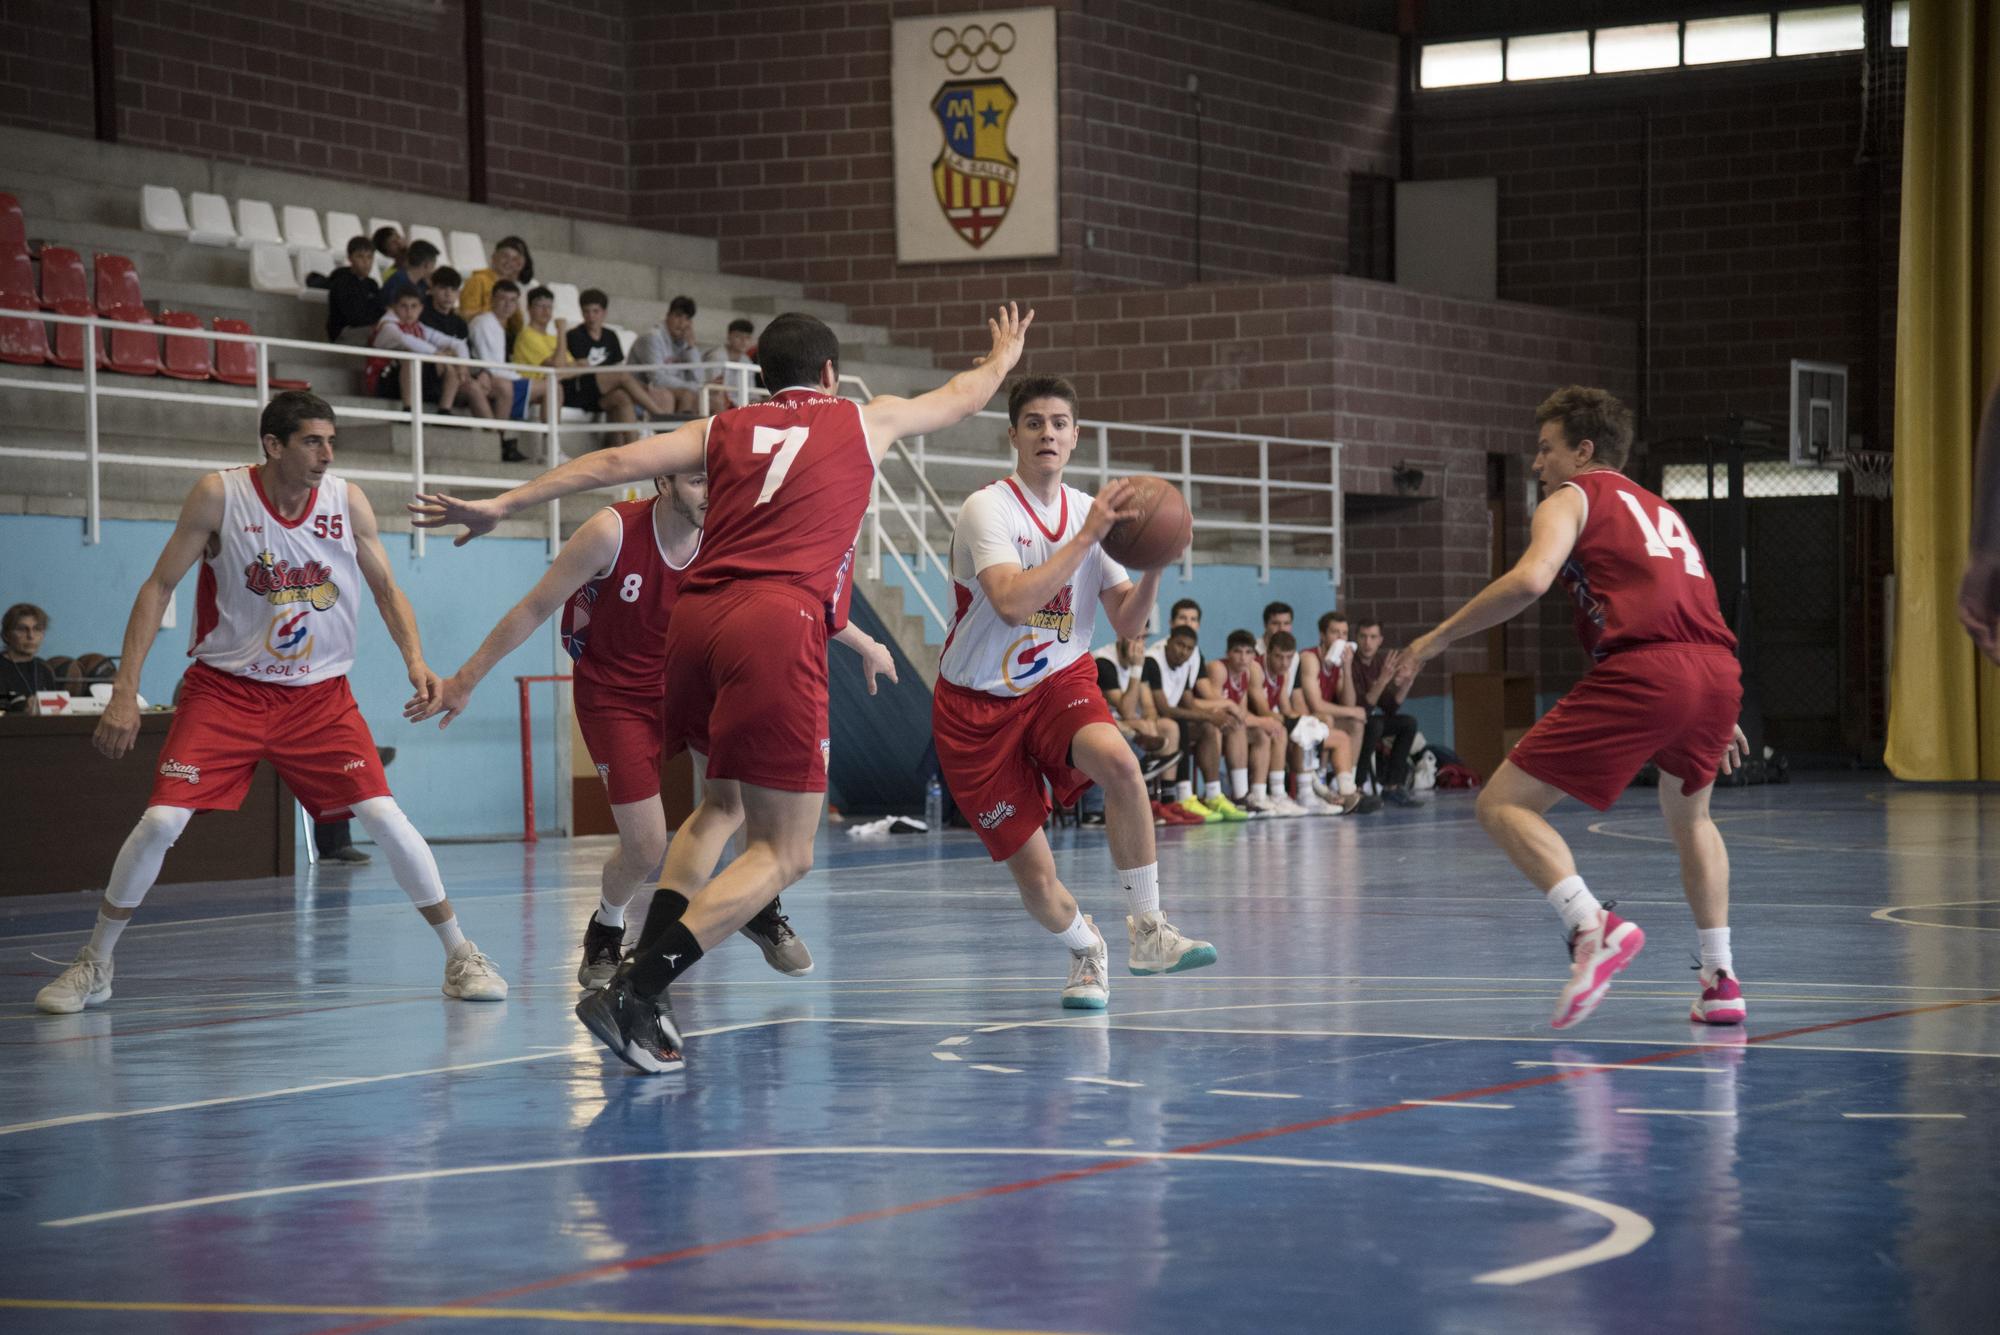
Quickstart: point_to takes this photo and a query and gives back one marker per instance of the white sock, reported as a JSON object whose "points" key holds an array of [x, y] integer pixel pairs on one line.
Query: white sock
{"points": [[1142, 888], [1079, 935], [139, 858], [1275, 786], [1183, 790], [449, 933], [1714, 950], [1239, 781], [409, 859], [1211, 789], [610, 914], [1572, 898], [104, 937], [1346, 782]]}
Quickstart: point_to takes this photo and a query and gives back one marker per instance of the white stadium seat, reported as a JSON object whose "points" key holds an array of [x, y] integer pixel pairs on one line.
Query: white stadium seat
{"points": [[302, 230], [321, 262], [340, 229], [160, 210], [257, 224], [624, 337], [271, 269], [424, 232], [212, 224], [568, 309], [468, 253]]}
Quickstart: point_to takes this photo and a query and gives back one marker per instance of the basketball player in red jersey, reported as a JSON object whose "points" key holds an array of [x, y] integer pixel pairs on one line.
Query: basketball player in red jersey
{"points": [[617, 579], [1237, 679], [284, 547], [1665, 688], [788, 484], [1327, 689]]}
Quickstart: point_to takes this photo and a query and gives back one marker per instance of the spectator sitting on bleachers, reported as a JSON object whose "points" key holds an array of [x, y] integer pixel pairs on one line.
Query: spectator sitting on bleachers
{"points": [[1381, 694], [22, 671], [511, 263], [506, 390], [353, 297], [441, 313], [420, 260], [402, 329], [541, 341], [738, 346], [619, 395], [672, 360], [389, 244]]}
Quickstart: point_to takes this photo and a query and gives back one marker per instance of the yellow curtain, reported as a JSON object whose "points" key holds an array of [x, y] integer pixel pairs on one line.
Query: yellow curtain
{"points": [[1944, 700]]}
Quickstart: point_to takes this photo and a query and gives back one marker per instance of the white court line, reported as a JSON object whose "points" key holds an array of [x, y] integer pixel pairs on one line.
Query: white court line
{"points": [[954, 1040], [947, 1056], [1889, 915], [997, 1070], [1119, 1142], [1776, 841], [1253, 1094], [1454, 1103], [1107, 1080], [1621, 1066], [1675, 1112], [1629, 1229], [1904, 1117]]}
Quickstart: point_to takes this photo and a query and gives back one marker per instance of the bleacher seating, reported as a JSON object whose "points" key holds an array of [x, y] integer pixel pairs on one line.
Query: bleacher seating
{"points": [[434, 235], [13, 230], [236, 363], [302, 229], [271, 270], [212, 225], [63, 281], [468, 252], [341, 227], [181, 357], [311, 262], [22, 342], [568, 309], [160, 210], [118, 292], [257, 224]]}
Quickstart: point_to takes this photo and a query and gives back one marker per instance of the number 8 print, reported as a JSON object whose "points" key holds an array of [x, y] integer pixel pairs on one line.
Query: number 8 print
{"points": [[629, 590]]}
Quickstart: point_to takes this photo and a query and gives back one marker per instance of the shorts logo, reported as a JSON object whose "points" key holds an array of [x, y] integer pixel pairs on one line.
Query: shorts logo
{"points": [[1080, 700], [281, 582], [290, 637], [826, 753], [604, 773], [1026, 659], [991, 820], [174, 769], [353, 765]]}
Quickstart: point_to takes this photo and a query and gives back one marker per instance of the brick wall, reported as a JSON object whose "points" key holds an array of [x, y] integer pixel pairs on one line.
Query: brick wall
{"points": [[43, 45], [556, 80]]}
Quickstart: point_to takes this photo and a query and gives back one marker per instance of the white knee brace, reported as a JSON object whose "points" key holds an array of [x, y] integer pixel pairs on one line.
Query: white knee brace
{"points": [[138, 864], [409, 856]]}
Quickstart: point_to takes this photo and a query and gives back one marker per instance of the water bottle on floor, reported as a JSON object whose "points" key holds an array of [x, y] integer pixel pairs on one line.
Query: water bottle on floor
{"points": [[934, 805]]}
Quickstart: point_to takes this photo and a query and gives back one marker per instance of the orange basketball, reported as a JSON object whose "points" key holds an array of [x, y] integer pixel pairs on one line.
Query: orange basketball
{"points": [[1158, 533]]}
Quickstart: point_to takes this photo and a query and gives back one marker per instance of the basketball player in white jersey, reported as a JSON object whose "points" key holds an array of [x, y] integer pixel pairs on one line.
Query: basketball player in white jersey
{"points": [[285, 547], [1017, 703], [617, 580]]}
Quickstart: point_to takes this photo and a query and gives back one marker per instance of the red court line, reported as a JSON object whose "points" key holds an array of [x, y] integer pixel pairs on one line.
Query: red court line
{"points": [[205, 1024], [1113, 1165]]}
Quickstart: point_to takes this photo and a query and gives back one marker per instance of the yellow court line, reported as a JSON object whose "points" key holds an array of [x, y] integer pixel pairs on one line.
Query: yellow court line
{"points": [[558, 1314]]}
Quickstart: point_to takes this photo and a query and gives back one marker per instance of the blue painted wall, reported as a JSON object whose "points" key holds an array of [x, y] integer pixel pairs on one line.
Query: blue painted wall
{"points": [[462, 783]]}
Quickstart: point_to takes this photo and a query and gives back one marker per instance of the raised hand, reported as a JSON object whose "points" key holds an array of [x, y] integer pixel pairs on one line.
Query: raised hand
{"points": [[439, 510], [1010, 335], [1107, 510]]}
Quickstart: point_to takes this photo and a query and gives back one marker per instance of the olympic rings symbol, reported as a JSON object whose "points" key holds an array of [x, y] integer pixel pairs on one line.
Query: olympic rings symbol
{"points": [[972, 46]]}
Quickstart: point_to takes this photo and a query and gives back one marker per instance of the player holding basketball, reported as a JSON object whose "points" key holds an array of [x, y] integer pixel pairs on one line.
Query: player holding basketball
{"points": [[1017, 703], [788, 484], [285, 546], [616, 581], [1665, 688]]}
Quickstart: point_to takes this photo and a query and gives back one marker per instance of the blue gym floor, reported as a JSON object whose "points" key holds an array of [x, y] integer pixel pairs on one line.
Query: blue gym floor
{"points": [[1358, 1120]]}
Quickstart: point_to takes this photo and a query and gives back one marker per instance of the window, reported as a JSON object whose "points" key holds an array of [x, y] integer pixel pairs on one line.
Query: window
{"points": [[1899, 23], [1745, 37], [1806, 32], [1764, 477], [1551, 55], [1456, 64], [1649, 46]]}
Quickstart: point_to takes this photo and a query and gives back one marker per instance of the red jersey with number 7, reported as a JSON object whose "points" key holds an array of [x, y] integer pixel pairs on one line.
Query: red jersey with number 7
{"points": [[1635, 574], [788, 484], [615, 627]]}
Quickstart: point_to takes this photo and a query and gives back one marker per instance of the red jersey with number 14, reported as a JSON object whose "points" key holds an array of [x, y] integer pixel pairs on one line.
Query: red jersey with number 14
{"points": [[788, 483], [1635, 574], [615, 626]]}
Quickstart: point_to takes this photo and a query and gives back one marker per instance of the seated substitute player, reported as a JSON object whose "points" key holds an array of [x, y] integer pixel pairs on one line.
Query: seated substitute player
{"points": [[788, 483], [1236, 679], [1327, 688], [1017, 705], [285, 546], [1665, 687], [1172, 669], [616, 581], [1121, 677], [1280, 664]]}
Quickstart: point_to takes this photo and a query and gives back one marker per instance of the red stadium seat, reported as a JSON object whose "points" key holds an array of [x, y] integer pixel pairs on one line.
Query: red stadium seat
{"points": [[17, 280], [63, 279], [133, 351], [68, 352], [118, 293], [236, 363], [185, 358], [22, 342], [13, 230]]}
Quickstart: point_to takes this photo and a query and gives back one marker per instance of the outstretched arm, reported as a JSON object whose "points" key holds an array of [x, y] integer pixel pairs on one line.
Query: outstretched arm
{"points": [[876, 660], [397, 614], [682, 450], [200, 520], [588, 554], [889, 418], [1558, 521]]}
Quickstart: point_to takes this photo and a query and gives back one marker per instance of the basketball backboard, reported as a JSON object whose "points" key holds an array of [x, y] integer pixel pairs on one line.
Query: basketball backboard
{"points": [[1819, 414]]}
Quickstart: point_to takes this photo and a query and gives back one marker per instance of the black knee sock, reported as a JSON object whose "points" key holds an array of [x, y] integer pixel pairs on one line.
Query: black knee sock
{"points": [[652, 969], [666, 910]]}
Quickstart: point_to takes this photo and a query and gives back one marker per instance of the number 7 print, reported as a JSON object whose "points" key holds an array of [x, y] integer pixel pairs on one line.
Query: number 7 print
{"points": [[787, 441]]}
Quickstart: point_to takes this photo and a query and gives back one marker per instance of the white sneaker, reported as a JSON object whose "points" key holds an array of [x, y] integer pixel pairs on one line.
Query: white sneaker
{"points": [[470, 976], [1311, 804], [86, 982], [1259, 806], [1284, 806], [1158, 946], [1088, 988], [1326, 792]]}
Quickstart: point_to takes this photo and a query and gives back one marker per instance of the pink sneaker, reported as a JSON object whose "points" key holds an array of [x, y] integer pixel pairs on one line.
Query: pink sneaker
{"points": [[1721, 1000], [1597, 953]]}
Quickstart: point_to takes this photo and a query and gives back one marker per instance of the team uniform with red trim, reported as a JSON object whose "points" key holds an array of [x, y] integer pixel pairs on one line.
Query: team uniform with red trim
{"points": [[273, 639], [788, 483], [615, 629], [1666, 686], [1010, 699]]}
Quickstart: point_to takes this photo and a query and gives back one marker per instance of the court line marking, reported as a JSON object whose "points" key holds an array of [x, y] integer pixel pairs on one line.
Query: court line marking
{"points": [[1252, 1094], [1455, 1103], [997, 1070], [1888, 915], [947, 1056], [1619, 1066], [1630, 1230], [1675, 1112], [1106, 1080], [1904, 1117], [1780, 842], [508, 1314]]}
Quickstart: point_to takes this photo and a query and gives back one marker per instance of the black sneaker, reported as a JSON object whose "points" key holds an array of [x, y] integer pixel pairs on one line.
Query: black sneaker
{"points": [[601, 946], [1402, 797], [510, 451], [1368, 805], [639, 1032], [783, 951]]}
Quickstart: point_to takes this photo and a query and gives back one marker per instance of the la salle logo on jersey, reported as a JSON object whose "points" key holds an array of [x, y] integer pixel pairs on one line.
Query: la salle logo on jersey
{"points": [[281, 582]]}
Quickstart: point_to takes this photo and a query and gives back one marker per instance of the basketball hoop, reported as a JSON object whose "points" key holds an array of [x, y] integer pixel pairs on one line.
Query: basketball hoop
{"points": [[1872, 472]]}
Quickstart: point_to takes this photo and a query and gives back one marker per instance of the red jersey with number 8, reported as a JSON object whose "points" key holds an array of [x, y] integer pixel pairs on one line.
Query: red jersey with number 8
{"points": [[1635, 574], [615, 626], [788, 483]]}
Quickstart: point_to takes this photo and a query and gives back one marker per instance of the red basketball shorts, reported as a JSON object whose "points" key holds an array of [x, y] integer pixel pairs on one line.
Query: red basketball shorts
{"points": [[1675, 705], [313, 736], [625, 732], [995, 753], [746, 684]]}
